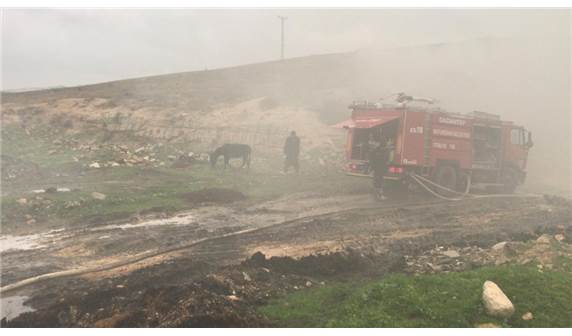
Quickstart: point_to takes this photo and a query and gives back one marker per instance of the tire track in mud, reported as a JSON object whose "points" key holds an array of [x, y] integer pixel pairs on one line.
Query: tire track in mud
{"points": [[147, 255], [242, 235]]}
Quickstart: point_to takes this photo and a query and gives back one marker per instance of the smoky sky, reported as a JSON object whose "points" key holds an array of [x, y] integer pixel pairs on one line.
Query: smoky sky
{"points": [[53, 47]]}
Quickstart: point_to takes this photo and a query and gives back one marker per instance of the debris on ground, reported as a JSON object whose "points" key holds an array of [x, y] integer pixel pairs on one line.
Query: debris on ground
{"points": [[544, 239], [98, 196], [440, 260], [527, 316], [487, 325], [496, 302]]}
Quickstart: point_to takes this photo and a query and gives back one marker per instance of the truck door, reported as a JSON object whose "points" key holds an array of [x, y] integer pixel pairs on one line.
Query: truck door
{"points": [[516, 149]]}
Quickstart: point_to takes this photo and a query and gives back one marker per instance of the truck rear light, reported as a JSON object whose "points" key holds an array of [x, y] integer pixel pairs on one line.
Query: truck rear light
{"points": [[395, 170]]}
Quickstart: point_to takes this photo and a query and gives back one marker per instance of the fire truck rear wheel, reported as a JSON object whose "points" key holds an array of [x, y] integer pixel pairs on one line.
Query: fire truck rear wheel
{"points": [[446, 176]]}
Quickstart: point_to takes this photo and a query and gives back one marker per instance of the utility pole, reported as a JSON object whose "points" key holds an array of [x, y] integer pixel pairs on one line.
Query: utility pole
{"points": [[282, 19]]}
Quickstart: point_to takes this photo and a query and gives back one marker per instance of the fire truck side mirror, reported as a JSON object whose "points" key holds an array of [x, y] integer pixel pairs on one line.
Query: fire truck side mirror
{"points": [[529, 143]]}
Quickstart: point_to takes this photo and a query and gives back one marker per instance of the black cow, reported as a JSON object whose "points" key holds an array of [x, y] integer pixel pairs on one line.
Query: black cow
{"points": [[231, 151]]}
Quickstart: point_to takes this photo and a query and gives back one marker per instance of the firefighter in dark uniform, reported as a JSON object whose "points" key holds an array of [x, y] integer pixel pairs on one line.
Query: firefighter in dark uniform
{"points": [[378, 164], [292, 151]]}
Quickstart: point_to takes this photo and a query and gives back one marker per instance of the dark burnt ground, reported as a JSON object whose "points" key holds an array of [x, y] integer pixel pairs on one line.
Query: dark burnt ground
{"points": [[209, 286]]}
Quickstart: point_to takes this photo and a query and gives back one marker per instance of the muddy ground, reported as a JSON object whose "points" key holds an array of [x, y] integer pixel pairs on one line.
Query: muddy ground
{"points": [[266, 250]]}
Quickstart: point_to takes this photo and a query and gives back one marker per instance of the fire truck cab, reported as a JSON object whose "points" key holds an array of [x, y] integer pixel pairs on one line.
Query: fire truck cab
{"points": [[450, 149]]}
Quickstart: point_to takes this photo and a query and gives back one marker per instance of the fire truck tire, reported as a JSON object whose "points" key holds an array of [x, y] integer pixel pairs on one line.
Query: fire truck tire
{"points": [[446, 176], [510, 181]]}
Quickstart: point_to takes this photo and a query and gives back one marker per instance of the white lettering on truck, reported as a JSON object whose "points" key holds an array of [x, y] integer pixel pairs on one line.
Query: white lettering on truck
{"points": [[440, 145], [416, 130], [451, 121], [449, 133]]}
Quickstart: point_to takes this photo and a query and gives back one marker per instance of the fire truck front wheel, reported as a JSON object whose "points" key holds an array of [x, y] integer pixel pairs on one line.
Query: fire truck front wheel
{"points": [[510, 181]]}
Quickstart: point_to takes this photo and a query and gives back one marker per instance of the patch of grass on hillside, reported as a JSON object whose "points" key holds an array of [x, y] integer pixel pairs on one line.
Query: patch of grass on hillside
{"points": [[16, 143], [441, 300]]}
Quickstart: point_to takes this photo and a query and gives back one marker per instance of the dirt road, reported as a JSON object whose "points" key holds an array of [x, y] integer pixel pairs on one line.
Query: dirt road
{"points": [[300, 237]]}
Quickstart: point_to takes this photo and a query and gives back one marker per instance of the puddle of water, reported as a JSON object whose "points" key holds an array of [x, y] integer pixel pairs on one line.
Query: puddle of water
{"points": [[183, 219], [13, 306], [41, 191], [28, 242]]}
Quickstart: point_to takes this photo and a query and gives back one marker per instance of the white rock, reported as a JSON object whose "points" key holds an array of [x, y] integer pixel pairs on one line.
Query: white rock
{"points": [[98, 196], [499, 246], [544, 239], [527, 316], [22, 201], [246, 276], [495, 301], [94, 165], [487, 325], [559, 237], [451, 253]]}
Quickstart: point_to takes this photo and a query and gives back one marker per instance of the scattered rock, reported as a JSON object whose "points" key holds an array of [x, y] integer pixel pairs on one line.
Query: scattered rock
{"points": [[71, 204], [544, 239], [496, 302], [527, 316], [487, 325], [22, 201], [451, 253], [94, 165], [559, 237], [98, 196], [308, 284], [232, 297], [31, 221], [435, 268], [499, 246], [246, 276]]}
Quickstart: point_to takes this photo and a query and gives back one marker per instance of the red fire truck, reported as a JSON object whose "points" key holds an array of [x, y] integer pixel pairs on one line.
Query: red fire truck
{"points": [[450, 149]]}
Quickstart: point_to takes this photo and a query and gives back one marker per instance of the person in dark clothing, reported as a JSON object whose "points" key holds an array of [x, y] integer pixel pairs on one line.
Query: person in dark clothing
{"points": [[292, 150], [378, 163]]}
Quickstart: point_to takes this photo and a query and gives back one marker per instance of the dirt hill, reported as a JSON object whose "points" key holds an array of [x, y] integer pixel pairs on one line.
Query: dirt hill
{"points": [[525, 80]]}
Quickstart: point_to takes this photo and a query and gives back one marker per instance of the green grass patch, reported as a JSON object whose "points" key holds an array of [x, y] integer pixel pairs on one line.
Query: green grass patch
{"points": [[441, 300]]}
